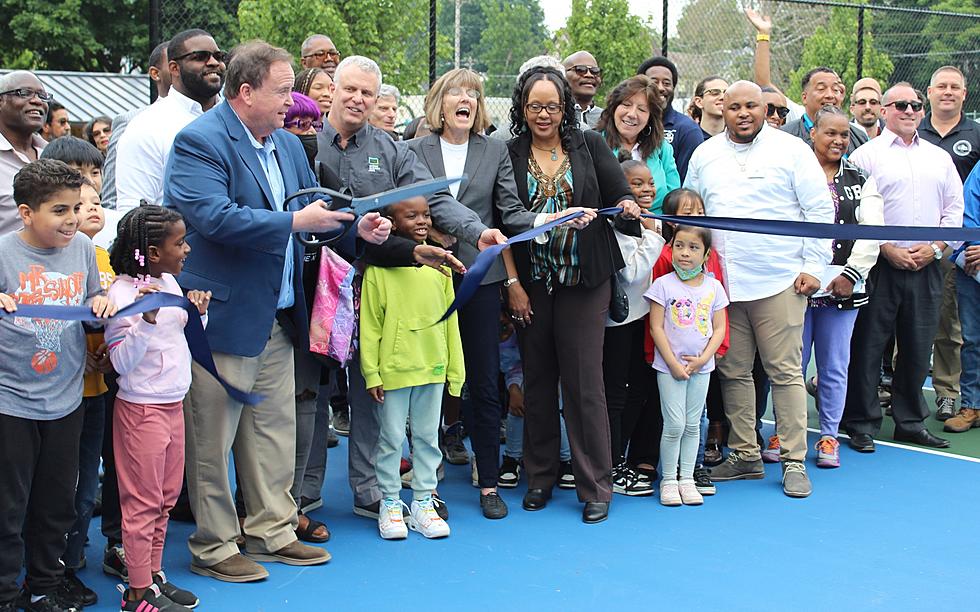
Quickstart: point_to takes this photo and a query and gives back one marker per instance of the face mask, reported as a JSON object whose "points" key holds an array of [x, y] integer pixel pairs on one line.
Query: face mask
{"points": [[686, 275], [309, 144]]}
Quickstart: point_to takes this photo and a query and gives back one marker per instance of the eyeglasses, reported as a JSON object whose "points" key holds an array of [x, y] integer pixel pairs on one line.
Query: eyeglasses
{"points": [[333, 53], [713, 92], [772, 109], [27, 93], [903, 105], [535, 109], [304, 124], [202, 56], [868, 102], [582, 70], [459, 91]]}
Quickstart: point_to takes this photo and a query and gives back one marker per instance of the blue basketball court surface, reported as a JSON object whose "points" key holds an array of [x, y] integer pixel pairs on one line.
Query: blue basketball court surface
{"points": [[895, 530]]}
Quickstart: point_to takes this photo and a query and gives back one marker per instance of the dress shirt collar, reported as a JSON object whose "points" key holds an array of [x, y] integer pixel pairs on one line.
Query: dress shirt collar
{"points": [[333, 136], [36, 141], [892, 138], [192, 106], [267, 146]]}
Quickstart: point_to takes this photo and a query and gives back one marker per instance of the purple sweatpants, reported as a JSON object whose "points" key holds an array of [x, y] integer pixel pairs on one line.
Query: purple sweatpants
{"points": [[827, 329]]}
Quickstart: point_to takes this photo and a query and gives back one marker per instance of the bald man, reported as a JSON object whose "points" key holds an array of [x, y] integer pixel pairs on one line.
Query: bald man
{"points": [[318, 51], [584, 76], [23, 107], [755, 172]]}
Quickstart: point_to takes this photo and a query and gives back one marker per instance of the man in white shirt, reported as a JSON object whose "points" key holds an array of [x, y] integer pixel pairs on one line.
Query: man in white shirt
{"points": [[197, 71], [758, 172]]}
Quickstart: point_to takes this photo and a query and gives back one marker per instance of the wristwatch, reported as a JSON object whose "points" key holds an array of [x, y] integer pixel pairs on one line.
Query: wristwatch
{"points": [[935, 249], [509, 282]]}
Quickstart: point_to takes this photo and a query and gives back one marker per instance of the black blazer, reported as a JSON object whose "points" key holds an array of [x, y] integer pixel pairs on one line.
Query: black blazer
{"points": [[597, 182]]}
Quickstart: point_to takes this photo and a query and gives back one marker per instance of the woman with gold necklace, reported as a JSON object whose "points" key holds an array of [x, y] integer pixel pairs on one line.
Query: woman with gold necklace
{"points": [[566, 273]]}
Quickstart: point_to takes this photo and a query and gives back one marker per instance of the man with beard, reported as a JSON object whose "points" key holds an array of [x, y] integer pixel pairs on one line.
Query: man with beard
{"points": [[679, 130], [754, 172], [866, 106], [23, 106], [197, 69], [584, 76], [318, 51]]}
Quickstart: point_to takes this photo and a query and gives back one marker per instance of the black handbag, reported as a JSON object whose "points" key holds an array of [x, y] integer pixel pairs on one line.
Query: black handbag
{"points": [[619, 303]]}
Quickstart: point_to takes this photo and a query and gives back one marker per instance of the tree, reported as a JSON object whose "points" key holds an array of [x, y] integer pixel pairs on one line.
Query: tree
{"points": [[287, 23], [713, 38], [605, 28], [514, 33], [835, 46], [472, 23]]}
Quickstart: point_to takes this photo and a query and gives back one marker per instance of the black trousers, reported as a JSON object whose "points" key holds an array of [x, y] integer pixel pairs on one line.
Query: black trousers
{"points": [[479, 329], [644, 444], [563, 344], [626, 377], [906, 303], [111, 511], [39, 471]]}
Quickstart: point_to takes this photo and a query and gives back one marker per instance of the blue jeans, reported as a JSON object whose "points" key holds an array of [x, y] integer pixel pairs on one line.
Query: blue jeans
{"points": [[968, 299], [827, 331], [89, 455], [422, 407], [682, 402]]}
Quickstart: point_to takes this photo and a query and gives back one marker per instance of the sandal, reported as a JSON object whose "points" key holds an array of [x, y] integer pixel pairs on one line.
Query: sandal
{"points": [[308, 534]]}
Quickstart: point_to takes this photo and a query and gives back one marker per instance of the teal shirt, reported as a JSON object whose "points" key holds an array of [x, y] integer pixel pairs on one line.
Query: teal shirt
{"points": [[664, 173]]}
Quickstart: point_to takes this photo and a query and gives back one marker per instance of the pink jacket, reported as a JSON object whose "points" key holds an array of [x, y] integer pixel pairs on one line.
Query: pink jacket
{"points": [[153, 361]]}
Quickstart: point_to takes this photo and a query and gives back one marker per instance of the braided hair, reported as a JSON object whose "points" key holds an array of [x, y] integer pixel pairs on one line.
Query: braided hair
{"points": [[140, 228], [304, 80]]}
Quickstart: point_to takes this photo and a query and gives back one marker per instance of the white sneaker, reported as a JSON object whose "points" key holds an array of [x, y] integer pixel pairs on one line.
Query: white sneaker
{"points": [[391, 522], [669, 493], [424, 519], [690, 495]]}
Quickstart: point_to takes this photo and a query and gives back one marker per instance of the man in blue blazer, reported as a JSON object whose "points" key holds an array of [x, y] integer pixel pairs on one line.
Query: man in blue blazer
{"points": [[228, 174]]}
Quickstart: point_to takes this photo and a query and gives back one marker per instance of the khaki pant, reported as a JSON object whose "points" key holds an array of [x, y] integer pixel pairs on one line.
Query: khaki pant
{"points": [[949, 339], [774, 325], [263, 438]]}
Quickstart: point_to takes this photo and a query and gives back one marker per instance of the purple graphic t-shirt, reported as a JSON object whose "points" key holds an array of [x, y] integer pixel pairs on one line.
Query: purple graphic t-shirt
{"points": [[687, 316]]}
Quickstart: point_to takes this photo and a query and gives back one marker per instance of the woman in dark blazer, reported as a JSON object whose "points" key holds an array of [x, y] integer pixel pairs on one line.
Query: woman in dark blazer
{"points": [[567, 275], [456, 114]]}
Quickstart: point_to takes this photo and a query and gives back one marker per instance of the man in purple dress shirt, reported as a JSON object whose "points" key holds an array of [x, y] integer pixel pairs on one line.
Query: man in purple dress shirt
{"points": [[921, 187]]}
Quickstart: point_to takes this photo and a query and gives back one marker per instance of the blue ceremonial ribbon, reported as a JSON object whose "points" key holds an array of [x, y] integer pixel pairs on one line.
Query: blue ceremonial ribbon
{"points": [[801, 229], [197, 341]]}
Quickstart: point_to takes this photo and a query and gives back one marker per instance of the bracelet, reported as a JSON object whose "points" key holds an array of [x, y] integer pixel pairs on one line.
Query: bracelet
{"points": [[762, 38], [510, 281]]}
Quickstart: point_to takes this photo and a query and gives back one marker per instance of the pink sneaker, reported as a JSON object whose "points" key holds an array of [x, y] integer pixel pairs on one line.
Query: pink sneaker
{"points": [[689, 493], [669, 493], [828, 452], [771, 454]]}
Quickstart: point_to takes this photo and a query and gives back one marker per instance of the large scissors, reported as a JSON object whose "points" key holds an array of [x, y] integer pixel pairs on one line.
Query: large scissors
{"points": [[342, 202]]}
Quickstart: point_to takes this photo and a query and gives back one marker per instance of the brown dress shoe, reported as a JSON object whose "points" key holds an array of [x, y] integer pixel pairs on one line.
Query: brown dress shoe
{"points": [[295, 553], [965, 420], [236, 568]]}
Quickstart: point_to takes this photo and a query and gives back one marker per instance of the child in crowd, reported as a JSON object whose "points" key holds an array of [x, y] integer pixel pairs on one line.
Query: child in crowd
{"points": [[42, 363], [80, 155], [406, 365], [626, 375], [510, 367], [91, 220], [150, 354], [688, 322]]}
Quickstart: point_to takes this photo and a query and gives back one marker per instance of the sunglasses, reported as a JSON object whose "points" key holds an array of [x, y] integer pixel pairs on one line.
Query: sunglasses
{"points": [[202, 56], [583, 70], [772, 109], [304, 124], [28, 93], [333, 53], [903, 105]]}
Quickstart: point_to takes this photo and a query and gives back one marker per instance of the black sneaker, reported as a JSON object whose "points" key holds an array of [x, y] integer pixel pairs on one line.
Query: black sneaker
{"points": [[702, 480], [177, 595], [9, 606], [114, 563], [72, 590], [332, 439], [493, 506], [945, 408], [369, 511], [441, 508], [510, 473], [152, 601], [648, 475], [566, 478], [50, 603], [627, 481], [341, 422], [452, 446]]}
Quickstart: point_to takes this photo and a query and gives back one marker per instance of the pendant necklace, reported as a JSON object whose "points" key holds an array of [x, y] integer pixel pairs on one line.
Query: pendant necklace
{"points": [[552, 150], [745, 160]]}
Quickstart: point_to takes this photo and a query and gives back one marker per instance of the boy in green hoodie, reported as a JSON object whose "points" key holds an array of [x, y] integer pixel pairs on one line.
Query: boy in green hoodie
{"points": [[406, 371]]}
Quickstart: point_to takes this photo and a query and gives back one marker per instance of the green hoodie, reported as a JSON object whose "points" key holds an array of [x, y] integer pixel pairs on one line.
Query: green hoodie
{"points": [[394, 301]]}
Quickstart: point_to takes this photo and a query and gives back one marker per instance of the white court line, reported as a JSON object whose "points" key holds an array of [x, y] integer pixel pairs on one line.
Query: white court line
{"points": [[927, 451]]}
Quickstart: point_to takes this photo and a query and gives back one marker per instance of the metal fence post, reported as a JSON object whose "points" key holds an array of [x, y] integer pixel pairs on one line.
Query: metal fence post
{"points": [[860, 44], [663, 37], [155, 40], [432, 42]]}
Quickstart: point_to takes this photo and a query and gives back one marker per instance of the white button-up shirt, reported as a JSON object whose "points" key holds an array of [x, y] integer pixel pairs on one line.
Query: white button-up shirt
{"points": [[777, 176], [145, 146]]}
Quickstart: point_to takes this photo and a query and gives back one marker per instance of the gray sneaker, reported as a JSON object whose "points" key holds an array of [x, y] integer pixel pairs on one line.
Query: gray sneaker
{"points": [[795, 481], [341, 422], [736, 468], [945, 408]]}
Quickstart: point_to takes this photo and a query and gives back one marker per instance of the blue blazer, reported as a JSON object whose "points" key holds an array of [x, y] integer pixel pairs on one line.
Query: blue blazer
{"points": [[238, 240]]}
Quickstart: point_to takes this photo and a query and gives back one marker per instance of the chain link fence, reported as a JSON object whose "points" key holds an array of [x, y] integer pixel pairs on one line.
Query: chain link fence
{"points": [[714, 37]]}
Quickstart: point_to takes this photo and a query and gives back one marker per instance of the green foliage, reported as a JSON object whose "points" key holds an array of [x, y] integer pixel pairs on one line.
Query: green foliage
{"points": [[514, 33], [713, 38], [287, 23], [835, 46], [618, 40], [472, 23], [217, 17]]}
